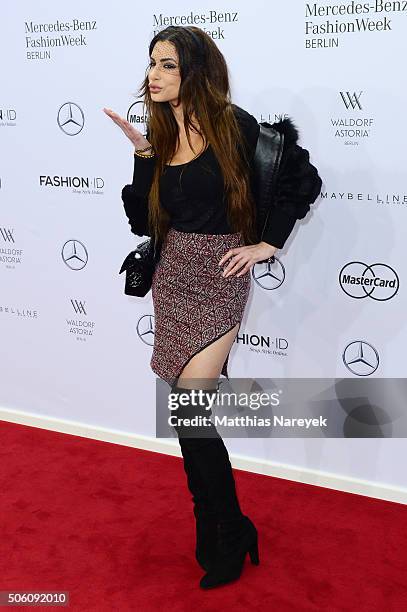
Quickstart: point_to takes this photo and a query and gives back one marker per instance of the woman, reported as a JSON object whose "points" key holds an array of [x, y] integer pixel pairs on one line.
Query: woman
{"points": [[191, 190]]}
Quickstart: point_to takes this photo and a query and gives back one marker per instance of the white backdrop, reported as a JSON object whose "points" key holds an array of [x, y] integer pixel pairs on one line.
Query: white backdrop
{"points": [[71, 340]]}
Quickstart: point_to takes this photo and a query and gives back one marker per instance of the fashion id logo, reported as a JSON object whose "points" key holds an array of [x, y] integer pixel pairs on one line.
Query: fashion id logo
{"points": [[263, 344], [78, 184], [8, 117]]}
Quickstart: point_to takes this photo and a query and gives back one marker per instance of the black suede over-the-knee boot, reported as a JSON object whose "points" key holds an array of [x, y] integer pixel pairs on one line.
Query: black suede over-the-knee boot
{"points": [[237, 535], [206, 521]]}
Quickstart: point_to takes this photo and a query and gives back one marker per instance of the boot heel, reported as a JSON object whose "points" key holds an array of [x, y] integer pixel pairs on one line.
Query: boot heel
{"points": [[237, 537], [254, 553]]}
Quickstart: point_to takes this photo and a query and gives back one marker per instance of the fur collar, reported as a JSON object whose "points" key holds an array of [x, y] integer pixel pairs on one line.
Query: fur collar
{"points": [[288, 128]]}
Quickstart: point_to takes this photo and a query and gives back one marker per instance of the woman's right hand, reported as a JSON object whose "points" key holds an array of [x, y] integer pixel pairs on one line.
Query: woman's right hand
{"points": [[136, 138]]}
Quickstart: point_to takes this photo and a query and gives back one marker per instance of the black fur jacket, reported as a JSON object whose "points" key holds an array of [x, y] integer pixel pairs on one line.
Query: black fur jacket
{"points": [[296, 183]]}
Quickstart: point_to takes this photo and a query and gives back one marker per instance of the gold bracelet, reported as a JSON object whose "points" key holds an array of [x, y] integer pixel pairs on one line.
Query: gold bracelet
{"points": [[146, 149], [144, 155]]}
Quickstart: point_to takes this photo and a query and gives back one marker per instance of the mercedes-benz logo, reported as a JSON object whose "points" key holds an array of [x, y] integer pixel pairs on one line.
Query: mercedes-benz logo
{"points": [[145, 329], [71, 118], [378, 281], [270, 274], [361, 358], [74, 254]]}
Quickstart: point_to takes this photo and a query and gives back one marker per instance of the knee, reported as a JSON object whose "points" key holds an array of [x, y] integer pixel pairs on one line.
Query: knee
{"points": [[191, 419]]}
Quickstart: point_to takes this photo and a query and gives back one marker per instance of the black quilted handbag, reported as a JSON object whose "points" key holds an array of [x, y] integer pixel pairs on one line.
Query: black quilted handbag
{"points": [[139, 266]]}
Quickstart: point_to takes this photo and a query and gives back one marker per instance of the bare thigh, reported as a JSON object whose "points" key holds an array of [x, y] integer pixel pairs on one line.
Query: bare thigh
{"points": [[209, 361]]}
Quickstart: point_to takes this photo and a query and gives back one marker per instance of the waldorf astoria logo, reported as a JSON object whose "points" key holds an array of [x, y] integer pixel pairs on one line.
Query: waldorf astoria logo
{"points": [[80, 328], [378, 281], [352, 127], [78, 306], [84, 185], [7, 234], [351, 100], [10, 255]]}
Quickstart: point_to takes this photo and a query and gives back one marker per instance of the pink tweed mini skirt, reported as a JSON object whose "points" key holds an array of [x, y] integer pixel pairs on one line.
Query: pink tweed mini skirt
{"points": [[194, 304]]}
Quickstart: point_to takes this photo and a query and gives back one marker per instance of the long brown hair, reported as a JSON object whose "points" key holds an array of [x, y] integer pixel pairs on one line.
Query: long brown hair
{"points": [[204, 91]]}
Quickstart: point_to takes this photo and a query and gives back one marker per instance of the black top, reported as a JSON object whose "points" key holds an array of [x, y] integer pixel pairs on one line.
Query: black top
{"points": [[193, 193]]}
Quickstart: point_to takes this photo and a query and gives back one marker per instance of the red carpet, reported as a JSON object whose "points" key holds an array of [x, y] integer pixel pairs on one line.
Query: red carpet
{"points": [[114, 526]]}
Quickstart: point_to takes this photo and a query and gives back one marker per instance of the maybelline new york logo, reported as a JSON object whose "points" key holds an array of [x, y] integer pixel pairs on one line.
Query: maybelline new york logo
{"points": [[382, 199], [19, 311], [377, 281]]}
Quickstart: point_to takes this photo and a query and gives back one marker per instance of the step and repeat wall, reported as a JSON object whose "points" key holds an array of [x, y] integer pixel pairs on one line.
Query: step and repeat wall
{"points": [[74, 346]]}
